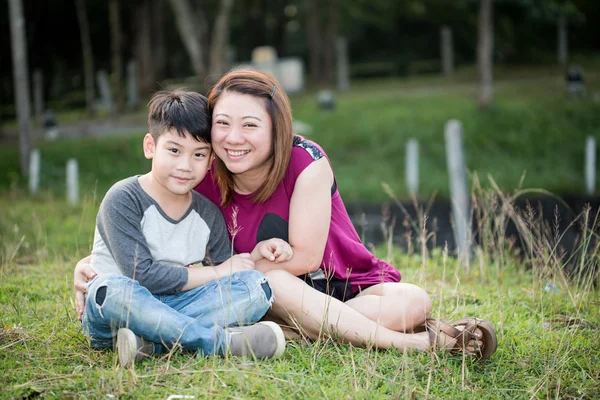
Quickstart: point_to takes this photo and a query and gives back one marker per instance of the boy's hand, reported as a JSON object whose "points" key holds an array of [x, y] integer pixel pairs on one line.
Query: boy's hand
{"points": [[275, 250], [237, 263], [82, 275]]}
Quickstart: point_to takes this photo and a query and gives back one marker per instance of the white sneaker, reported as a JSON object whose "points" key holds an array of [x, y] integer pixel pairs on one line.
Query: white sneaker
{"points": [[261, 340], [132, 348]]}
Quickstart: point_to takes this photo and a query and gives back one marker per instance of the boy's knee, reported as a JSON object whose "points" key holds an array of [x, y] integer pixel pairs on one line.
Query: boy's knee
{"points": [[255, 278], [101, 286]]}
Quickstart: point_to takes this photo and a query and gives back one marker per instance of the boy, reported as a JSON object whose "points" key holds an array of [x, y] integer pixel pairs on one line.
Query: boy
{"points": [[150, 229]]}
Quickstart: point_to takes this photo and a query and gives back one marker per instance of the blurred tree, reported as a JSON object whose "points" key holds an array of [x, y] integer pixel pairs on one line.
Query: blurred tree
{"points": [[313, 31], [322, 21], [331, 33], [158, 46], [220, 40], [21, 81], [88, 56], [115, 48], [385, 37], [143, 43], [485, 47], [189, 27]]}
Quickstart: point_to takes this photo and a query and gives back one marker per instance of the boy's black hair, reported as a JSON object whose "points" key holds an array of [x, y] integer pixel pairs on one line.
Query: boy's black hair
{"points": [[184, 111]]}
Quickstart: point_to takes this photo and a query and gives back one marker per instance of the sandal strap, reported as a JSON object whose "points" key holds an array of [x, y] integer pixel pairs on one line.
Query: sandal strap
{"points": [[435, 326], [462, 337], [465, 335]]}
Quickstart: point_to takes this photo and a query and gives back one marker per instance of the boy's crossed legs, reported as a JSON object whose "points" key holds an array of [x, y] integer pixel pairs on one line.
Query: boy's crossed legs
{"points": [[194, 319]]}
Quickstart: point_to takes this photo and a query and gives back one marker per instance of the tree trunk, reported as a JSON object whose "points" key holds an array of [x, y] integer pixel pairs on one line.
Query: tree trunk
{"points": [[88, 56], [563, 42], [144, 42], [202, 31], [159, 51], [189, 35], [279, 32], [485, 47], [117, 61], [313, 30], [21, 81], [220, 41], [331, 37]]}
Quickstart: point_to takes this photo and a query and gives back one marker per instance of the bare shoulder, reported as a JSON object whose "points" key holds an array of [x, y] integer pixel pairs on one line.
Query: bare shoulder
{"points": [[318, 172]]}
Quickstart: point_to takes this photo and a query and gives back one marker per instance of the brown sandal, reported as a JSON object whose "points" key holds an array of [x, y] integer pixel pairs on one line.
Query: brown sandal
{"points": [[489, 339]]}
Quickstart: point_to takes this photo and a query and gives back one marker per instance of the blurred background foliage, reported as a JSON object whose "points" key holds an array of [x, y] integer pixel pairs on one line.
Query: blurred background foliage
{"points": [[385, 37]]}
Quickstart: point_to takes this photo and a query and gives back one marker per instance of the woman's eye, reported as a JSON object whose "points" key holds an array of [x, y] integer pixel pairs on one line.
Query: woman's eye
{"points": [[224, 123], [250, 125]]}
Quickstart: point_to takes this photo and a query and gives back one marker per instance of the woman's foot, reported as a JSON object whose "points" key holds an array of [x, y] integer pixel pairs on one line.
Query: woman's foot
{"points": [[470, 336]]}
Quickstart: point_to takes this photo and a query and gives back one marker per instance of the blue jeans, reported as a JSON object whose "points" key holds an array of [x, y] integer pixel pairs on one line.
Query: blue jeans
{"points": [[194, 319]]}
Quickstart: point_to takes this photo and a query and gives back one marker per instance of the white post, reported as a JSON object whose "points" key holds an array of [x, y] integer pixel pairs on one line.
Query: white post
{"points": [[132, 85], [446, 50], [105, 90], [563, 41], [343, 69], [590, 165], [412, 167], [34, 171], [72, 182], [458, 188]]}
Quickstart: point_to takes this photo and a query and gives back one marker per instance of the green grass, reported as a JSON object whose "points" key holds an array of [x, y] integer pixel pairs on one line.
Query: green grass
{"points": [[43, 353], [532, 129], [549, 344]]}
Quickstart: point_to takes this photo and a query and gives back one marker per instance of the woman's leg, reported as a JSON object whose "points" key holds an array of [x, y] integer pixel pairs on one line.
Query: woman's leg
{"points": [[115, 301], [398, 306], [313, 312]]}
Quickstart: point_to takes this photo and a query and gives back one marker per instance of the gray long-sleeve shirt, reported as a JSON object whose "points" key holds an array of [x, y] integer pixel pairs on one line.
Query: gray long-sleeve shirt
{"points": [[134, 237]]}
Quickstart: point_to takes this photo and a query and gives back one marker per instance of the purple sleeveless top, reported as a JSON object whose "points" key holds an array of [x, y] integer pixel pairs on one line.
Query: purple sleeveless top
{"points": [[345, 256]]}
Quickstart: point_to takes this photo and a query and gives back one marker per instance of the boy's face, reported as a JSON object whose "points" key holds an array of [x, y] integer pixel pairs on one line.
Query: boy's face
{"points": [[178, 163]]}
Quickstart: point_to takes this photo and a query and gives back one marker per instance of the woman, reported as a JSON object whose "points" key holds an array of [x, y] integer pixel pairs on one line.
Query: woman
{"points": [[270, 183]]}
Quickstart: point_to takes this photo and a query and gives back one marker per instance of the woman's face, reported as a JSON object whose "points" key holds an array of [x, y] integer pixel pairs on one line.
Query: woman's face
{"points": [[242, 134]]}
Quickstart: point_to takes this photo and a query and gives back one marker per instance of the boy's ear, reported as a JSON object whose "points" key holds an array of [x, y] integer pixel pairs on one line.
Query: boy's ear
{"points": [[149, 146]]}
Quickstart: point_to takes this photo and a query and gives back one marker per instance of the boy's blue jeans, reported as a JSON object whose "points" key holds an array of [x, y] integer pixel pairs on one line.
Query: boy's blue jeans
{"points": [[194, 319]]}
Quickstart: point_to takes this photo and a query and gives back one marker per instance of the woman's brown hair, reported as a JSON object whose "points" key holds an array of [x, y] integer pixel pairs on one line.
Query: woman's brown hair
{"points": [[277, 104]]}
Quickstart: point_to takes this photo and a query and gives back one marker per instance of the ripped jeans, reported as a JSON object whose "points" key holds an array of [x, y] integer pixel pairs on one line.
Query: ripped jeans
{"points": [[194, 319]]}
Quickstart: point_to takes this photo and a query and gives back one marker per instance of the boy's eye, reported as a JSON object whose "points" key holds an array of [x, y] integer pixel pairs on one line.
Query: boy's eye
{"points": [[174, 150], [200, 155]]}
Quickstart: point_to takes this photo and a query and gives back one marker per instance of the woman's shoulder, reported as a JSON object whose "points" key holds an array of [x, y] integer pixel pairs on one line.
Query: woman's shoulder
{"points": [[303, 147], [304, 153]]}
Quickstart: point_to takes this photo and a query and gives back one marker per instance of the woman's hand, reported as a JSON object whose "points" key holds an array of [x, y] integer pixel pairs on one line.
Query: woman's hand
{"points": [[274, 250], [82, 275]]}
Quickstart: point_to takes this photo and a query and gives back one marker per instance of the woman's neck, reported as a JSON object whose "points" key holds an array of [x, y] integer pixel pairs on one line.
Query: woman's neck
{"points": [[250, 181]]}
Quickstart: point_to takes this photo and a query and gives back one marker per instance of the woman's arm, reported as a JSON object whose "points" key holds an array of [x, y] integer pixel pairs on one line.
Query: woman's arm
{"points": [[309, 220], [81, 276]]}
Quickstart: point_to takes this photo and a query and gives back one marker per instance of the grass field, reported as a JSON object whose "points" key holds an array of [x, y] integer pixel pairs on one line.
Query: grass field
{"points": [[548, 339], [547, 324], [533, 131]]}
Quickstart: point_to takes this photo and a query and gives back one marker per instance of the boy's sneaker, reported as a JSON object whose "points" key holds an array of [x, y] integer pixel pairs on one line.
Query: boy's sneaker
{"points": [[132, 348], [261, 340]]}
